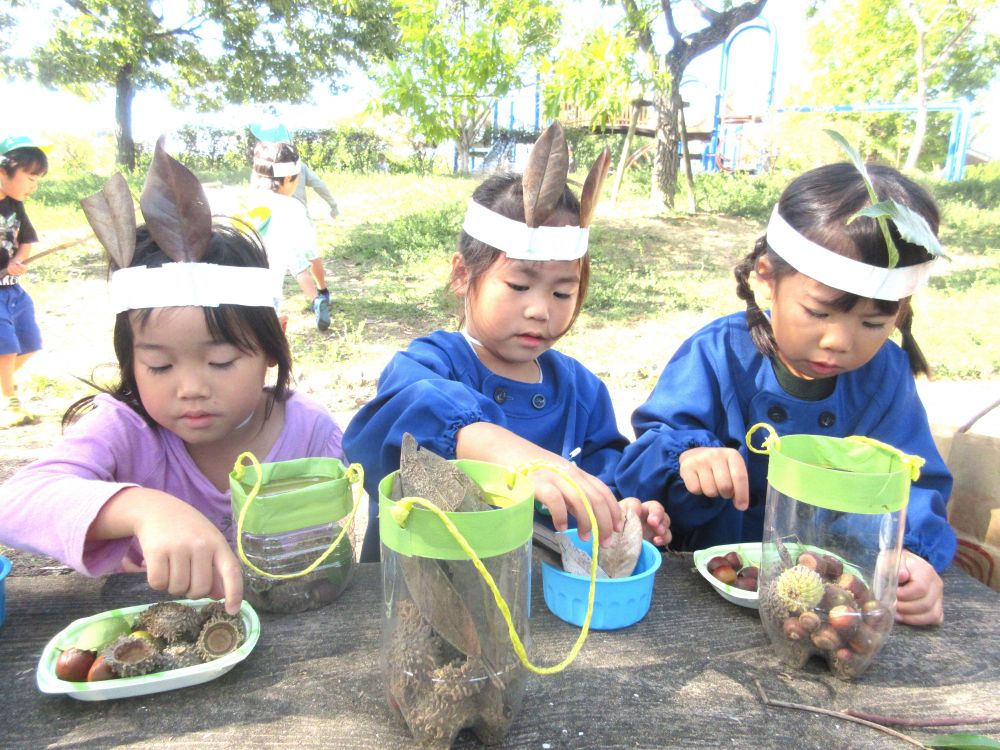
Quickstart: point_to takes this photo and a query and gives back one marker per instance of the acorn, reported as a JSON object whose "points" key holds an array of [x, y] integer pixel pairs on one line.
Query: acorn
{"points": [[853, 584], [716, 562], [725, 573], [810, 621], [794, 630], [100, 670], [866, 640], [846, 662], [750, 571], [833, 567], [733, 558], [826, 638], [875, 615], [845, 620], [745, 583], [812, 561], [219, 637], [834, 596], [73, 664]]}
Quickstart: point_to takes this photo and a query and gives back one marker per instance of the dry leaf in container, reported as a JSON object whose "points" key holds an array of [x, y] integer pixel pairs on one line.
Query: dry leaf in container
{"points": [[619, 558], [575, 560]]}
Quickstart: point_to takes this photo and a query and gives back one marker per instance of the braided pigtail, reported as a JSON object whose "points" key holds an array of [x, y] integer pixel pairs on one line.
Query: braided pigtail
{"points": [[758, 323], [904, 322]]}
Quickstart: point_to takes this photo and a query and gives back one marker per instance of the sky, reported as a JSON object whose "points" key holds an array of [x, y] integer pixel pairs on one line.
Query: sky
{"points": [[54, 112]]}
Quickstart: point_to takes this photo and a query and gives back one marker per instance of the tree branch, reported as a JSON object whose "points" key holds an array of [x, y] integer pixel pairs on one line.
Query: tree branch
{"points": [[707, 38], [952, 44], [836, 714], [939, 722]]}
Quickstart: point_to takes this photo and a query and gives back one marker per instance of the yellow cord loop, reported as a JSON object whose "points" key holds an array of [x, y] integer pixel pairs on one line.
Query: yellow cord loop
{"points": [[355, 474], [772, 441], [914, 462], [401, 512]]}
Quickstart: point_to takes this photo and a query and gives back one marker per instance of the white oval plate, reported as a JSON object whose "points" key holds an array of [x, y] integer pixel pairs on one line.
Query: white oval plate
{"points": [[749, 553], [126, 687]]}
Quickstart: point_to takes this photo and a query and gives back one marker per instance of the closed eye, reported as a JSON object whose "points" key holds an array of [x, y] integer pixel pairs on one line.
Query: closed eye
{"points": [[563, 295], [815, 313], [517, 287], [159, 370], [222, 365], [874, 324]]}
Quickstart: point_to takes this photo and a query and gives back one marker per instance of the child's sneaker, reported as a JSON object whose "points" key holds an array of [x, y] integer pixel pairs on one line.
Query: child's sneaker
{"points": [[321, 306], [13, 415]]}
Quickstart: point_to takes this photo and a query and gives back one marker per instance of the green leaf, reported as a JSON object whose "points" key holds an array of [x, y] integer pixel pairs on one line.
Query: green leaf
{"points": [[860, 166], [912, 226], [963, 740], [99, 634]]}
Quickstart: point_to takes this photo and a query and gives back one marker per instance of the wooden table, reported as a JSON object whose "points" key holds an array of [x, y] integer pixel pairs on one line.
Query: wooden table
{"points": [[683, 677]]}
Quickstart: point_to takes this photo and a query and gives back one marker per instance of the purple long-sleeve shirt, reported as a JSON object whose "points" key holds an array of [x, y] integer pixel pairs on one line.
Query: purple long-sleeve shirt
{"points": [[49, 505]]}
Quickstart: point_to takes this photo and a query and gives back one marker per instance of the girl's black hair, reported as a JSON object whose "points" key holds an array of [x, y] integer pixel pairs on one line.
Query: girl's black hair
{"points": [[503, 194], [250, 329], [29, 158], [265, 155], [818, 204]]}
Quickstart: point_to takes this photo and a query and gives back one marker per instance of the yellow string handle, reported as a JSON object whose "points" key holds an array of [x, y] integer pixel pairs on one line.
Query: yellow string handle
{"points": [[771, 441], [401, 511], [914, 462], [355, 474]]}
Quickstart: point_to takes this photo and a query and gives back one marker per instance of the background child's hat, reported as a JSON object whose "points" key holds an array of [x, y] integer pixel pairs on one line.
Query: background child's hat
{"points": [[271, 131], [23, 141]]}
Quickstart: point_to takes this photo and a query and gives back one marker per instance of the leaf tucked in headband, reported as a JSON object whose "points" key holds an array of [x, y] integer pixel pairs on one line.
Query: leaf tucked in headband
{"points": [[592, 187], [544, 177], [175, 208], [111, 214]]}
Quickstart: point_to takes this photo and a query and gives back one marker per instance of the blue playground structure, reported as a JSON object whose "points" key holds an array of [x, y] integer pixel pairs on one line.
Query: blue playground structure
{"points": [[724, 148]]}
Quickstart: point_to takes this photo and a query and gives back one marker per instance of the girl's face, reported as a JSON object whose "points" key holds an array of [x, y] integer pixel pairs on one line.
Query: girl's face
{"points": [[518, 309], [815, 339], [205, 391], [20, 186]]}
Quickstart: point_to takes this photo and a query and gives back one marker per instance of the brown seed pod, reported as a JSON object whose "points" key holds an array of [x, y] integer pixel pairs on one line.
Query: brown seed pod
{"points": [[875, 615], [810, 621], [826, 638], [794, 630], [853, 584], [866, 640], [833, 596], [833, 567], [845, 620], [725, 573], [218, 638], [100, 670], [733, 558], [812, 561], [716, 562]]}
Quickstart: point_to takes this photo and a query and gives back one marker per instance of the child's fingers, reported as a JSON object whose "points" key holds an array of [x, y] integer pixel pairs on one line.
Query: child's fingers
{"points": [[924, 611], [180, 574], [739, 480], [202, 576], [228, 581], [157, 570], [551, 498]]}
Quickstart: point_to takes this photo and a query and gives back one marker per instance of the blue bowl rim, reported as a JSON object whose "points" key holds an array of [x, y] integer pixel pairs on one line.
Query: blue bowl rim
{"points": [[647, 546], [5, 566]]}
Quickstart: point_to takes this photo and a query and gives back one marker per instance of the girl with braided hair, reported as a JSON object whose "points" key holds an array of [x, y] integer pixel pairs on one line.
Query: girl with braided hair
{"points": [[819, 362]]}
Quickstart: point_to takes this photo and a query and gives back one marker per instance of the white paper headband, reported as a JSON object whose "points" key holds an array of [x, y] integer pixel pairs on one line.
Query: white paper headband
{"points": [[521, 242], [191, 284], [277, 168], [840, 272]]}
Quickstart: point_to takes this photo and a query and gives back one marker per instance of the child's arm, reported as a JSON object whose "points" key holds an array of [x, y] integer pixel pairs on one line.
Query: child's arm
{"points": [[17, 265], [314, 181], [489, 442], [183, 551], [920, 596]]}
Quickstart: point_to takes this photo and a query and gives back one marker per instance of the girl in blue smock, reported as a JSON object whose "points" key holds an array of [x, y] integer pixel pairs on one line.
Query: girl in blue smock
{"points": [[820, 363], [496, 390]]}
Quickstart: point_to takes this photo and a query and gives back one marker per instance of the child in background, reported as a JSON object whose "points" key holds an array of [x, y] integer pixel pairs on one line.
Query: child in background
{"points": [[274, 132], [288, 233], [821, 363], [496, 391], [22, 164], [141, 480]]}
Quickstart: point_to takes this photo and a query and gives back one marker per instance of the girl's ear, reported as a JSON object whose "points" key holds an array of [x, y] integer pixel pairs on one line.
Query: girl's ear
{"points": [[459, 275], [765, 273]]}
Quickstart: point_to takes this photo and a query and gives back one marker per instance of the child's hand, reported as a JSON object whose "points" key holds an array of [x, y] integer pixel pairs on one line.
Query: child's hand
{"points": [[184, 553], [920, 596], [559, 496], [654, 518], [16, 267], [716, 472]]}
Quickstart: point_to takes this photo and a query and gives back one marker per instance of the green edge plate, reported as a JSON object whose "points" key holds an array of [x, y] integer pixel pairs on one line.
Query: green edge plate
{"points": [[749, 552], [126, 687]]}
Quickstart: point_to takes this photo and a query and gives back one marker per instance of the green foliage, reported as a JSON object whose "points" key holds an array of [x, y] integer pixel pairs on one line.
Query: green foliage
{"points": [[348, 150], [453, 60], [849, 40], [980, 186], [735, 194], [412, 237]]}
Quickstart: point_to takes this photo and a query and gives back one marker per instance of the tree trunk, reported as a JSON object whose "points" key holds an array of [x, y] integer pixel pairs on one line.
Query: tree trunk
{"points": [[664, 183], [920, 130], [623, 159], [686, 152], [124, 94]]}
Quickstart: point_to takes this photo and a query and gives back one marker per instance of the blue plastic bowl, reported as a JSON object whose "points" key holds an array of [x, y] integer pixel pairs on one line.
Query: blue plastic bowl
{"points": [[4, 570], [618, 602]]}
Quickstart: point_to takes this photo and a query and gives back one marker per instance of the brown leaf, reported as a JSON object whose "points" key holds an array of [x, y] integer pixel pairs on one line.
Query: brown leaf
{"points": [[175, 208], [544, 178], [425, 474], [111, 214], [592, 187], [440, 604], [575, 560], [619, 558]]}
